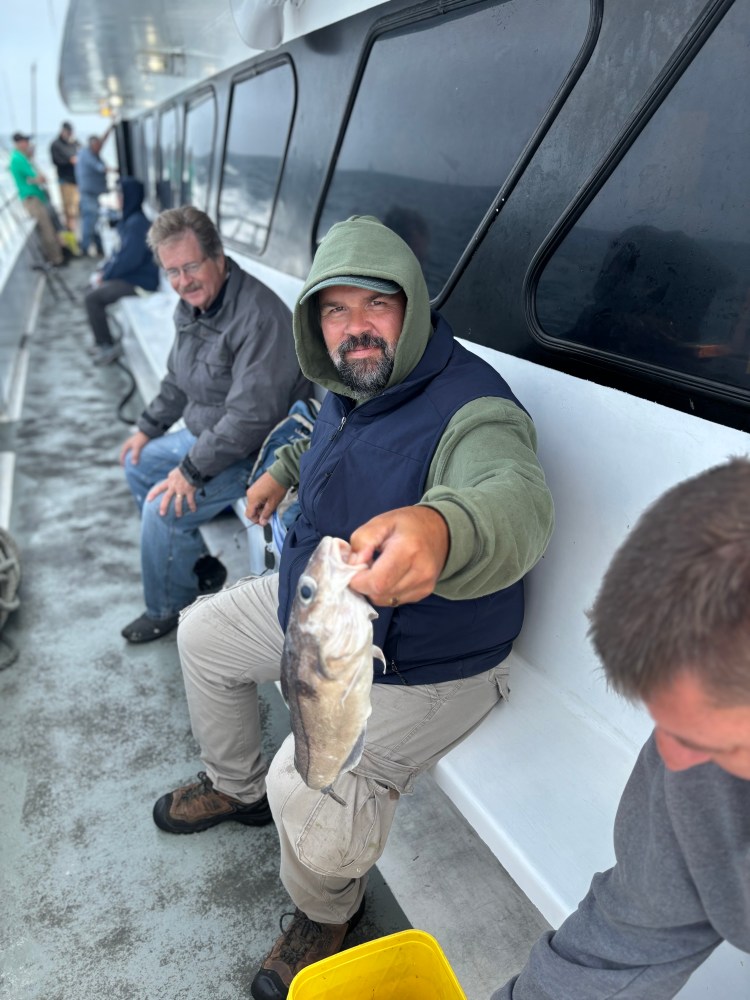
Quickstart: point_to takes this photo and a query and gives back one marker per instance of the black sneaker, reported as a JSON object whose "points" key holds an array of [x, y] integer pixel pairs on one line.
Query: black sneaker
{"points": [[211, 573], [145, 629], [305, 941], [198, 806]]}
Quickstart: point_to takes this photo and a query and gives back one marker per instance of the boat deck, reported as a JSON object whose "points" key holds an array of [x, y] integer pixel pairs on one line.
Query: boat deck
{"points": [[97, 902]]}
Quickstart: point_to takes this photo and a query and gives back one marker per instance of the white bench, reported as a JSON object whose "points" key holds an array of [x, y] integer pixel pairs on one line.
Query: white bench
{"points": [[540, 780], [147, 334]]}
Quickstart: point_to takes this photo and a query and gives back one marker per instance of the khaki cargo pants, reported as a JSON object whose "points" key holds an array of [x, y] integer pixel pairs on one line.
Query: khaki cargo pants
{"points": [[229, 643]]}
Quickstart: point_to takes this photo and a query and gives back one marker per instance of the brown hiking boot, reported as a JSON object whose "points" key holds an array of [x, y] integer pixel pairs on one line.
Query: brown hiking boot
{"points": [[305, 941], [198, 806]]}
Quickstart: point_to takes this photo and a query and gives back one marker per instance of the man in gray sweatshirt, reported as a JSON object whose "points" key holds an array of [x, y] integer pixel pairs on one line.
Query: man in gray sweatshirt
{"points": [[671, 625]]}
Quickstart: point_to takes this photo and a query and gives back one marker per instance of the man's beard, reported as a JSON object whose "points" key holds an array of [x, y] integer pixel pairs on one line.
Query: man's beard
{"points": [[364, 376]]}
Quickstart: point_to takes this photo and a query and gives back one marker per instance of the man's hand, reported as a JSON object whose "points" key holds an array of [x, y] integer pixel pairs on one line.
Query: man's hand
{"points": [[134, 445], [177, 487], [413, 545], [262, 498]]}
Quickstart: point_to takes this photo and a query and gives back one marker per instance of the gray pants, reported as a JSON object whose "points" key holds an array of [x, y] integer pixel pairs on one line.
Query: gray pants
{"points": [[229, 643], [97, 301]]}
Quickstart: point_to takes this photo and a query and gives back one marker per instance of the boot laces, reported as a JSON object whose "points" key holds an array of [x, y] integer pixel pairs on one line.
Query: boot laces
{"points": [[299, 935], [201, 786]]}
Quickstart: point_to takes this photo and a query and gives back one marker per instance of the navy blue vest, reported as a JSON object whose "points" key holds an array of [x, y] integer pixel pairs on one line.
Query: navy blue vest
{"points": [[368, 459]]}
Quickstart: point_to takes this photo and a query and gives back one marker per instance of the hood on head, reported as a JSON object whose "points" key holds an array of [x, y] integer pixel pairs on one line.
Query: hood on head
{"points": [[362, 246], [132, 195]]}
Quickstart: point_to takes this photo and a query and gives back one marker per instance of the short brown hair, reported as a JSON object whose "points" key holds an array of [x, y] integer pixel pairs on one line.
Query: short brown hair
{"points": [[173, 223], [676, 596]]}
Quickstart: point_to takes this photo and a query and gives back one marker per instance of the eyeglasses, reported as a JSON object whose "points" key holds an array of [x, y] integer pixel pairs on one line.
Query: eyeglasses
{"points": [[188, 270]]}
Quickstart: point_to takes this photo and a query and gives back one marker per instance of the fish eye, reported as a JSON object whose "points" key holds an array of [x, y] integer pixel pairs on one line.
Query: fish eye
{"points": [[306, 590]]}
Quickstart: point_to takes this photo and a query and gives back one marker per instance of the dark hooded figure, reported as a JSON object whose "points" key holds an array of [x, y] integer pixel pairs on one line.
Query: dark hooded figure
{"points": [[131, 267]]}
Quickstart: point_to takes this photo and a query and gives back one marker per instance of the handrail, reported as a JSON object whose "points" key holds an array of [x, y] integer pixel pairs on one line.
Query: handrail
{"points": [[8, 199]]}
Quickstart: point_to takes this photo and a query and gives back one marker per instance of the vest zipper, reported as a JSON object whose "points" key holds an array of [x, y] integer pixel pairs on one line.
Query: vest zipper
{"points": [[324, 454], [397, 672]]}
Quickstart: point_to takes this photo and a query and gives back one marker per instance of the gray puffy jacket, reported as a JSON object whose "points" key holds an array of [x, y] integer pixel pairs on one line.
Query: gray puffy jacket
{"points": [[231, 376]]}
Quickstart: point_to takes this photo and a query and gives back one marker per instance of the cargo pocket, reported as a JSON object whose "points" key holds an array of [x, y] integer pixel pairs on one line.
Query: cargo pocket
{"points": [[502, 679], [347, 840], [393, 773]]}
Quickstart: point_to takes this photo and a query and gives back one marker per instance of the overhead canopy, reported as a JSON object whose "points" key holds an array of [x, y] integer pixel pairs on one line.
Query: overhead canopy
{"points": [[125, 56]]}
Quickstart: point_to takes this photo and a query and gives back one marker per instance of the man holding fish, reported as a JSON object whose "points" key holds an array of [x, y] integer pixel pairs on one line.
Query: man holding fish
{"points": [[419, 490]]}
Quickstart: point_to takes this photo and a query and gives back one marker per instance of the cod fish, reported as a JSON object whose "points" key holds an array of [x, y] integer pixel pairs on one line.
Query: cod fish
{"points": [[326, 667]]}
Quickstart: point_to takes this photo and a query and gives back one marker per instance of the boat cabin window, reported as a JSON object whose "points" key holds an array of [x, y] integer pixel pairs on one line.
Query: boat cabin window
{"points": [[656, 270], [148, 162], [137, 158], [444, 110], [168, 189], [259, 123], [200, 131]]}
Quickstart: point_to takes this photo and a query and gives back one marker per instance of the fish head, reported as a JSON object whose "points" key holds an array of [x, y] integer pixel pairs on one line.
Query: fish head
{"points": [[327, 665], [326, 613]]}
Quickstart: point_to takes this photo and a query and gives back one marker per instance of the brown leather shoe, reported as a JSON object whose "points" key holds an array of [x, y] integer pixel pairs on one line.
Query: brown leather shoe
{"points": [[305, 941], [198, 806]]}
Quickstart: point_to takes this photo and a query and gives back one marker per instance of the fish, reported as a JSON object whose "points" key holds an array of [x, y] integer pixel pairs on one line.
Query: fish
{"points": [[327, 667]]}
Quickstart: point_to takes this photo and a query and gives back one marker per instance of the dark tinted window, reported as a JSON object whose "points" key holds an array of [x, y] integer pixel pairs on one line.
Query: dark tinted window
{"points": [[137, 162], [443, 111], [259, 123], [149, 156], [200, 125], [169, 152], [657, 269]]}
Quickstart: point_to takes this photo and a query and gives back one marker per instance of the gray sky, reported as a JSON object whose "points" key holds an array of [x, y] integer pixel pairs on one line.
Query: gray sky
{"points": [[33, 33]]}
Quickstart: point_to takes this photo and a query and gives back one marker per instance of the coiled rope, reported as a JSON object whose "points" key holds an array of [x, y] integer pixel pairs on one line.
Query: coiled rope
{"points": [[10, 577]]}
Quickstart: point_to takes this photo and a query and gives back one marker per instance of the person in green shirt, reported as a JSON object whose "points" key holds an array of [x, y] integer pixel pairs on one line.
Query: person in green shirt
{"points": [[32, 191]]}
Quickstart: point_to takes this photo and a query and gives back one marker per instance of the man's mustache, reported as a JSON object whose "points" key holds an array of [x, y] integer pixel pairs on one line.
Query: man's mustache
{"points": [[365, 340]]}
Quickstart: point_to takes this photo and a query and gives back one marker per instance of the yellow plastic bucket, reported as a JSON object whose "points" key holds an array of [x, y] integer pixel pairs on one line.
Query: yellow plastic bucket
{"points": [[409, 965]]}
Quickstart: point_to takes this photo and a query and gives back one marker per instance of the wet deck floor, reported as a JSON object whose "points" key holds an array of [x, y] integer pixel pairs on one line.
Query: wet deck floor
{"points": [[96, 901]]}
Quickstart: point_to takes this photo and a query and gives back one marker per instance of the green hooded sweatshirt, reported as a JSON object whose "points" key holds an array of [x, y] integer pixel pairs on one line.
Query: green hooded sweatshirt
{"points": [[363, 246], [484, 479]]}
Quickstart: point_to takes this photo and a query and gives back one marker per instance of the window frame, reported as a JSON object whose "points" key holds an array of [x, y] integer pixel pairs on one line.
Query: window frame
{"points": [[410, 17], [150, 118], [671, 73], [177, 110], [256, 70], [193, 101]]}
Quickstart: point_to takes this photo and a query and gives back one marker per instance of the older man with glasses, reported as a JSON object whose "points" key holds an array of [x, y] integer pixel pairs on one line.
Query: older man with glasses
{"points": [[232, 374]]}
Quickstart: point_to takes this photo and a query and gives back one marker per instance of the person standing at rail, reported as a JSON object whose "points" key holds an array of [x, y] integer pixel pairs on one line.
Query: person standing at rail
{"points": [[420, 453], [671, 625], [31, 186], [91, 177], [232, 374], [64, 154]]}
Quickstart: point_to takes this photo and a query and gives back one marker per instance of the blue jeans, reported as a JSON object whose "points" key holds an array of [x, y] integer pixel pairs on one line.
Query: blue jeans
{"points": [[89, 219], [170, 546]]}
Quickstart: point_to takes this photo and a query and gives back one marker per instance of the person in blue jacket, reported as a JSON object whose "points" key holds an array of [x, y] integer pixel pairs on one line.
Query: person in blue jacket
{"points": [[131, 267], [91, 178]]}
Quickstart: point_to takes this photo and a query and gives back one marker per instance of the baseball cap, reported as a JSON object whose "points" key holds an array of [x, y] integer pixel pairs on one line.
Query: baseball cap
{"points": [[21, 137], [358, 280]]}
